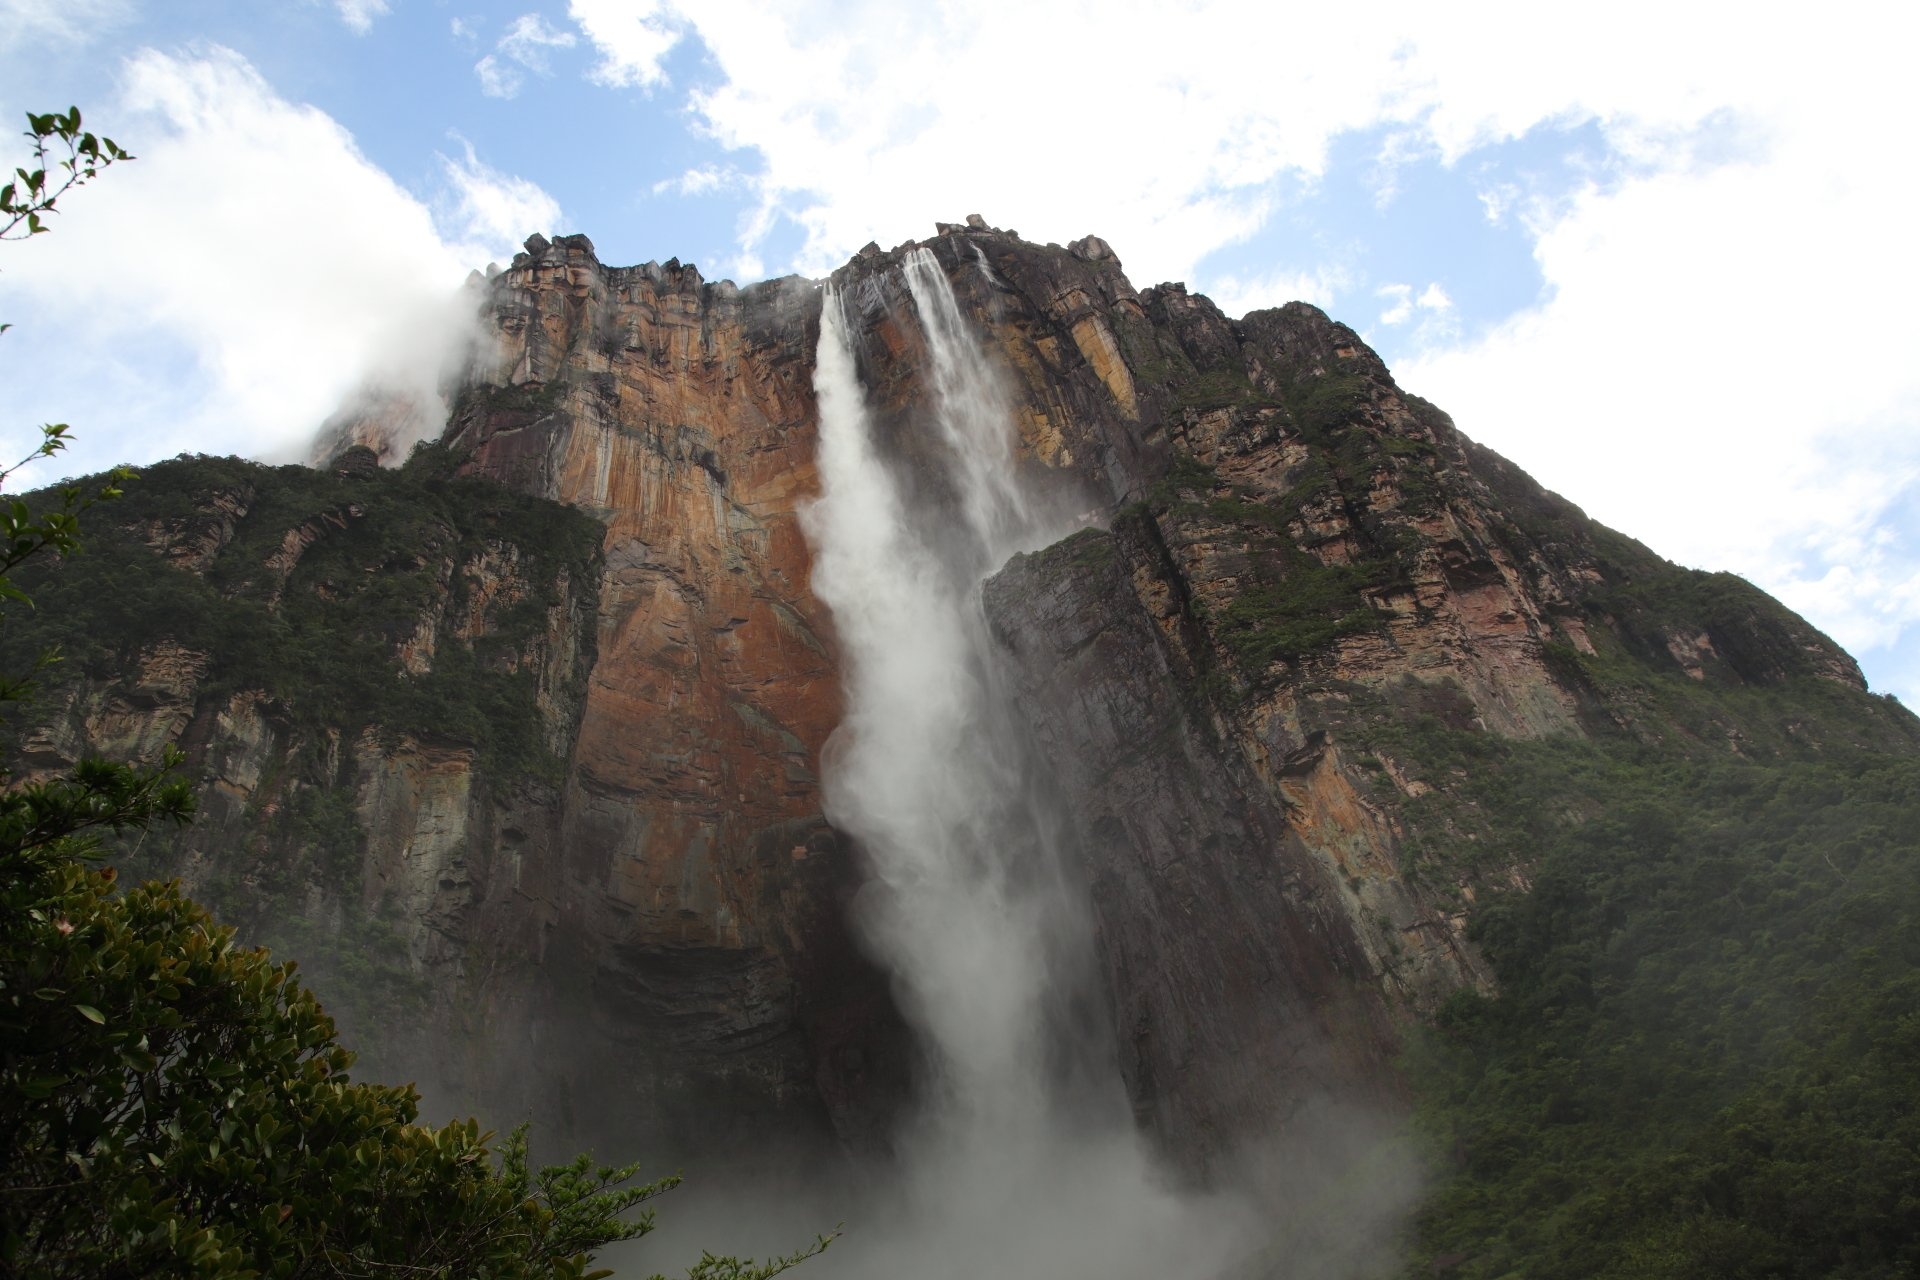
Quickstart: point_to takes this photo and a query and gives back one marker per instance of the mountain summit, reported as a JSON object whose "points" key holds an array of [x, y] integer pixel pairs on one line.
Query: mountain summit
{"points": [[527, 743]]}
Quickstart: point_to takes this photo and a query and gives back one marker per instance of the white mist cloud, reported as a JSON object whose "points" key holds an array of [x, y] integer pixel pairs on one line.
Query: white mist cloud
{"points": [[488, 209], [1237, 295], [633, 37], [700, 180], [526, 47], [39, 23], [359, 14], [230, 288]]}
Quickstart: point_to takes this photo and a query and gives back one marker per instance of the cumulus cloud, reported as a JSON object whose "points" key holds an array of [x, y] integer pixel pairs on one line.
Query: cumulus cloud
{"points": [[1722, 364], [1172, 128], [526, 47], [1722, 360], [249, 273], [633, 37]]}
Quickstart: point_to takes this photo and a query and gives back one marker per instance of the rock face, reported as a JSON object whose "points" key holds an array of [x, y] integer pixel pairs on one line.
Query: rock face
{"points": [[609, 893]]}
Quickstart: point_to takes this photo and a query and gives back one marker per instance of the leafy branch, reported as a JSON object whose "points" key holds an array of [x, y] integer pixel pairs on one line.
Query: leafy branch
{"points": [[64, 157]]}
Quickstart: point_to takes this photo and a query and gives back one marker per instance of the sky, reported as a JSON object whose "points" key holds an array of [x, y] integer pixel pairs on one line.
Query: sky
{"points": [[1660, 255]]}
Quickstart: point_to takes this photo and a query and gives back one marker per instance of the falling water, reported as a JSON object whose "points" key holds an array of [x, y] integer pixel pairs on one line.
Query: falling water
{"points": [[1016, 1165]]}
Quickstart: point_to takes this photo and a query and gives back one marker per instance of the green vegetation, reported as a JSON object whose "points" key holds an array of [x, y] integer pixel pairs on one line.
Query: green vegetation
{"points": [[1218, 388], [533, 399], [1323, 407], [1089, 549], [65, 156], [1295, 605], [372, 557], [1704, 1059], [304, 585], [1307, 610], [172, 1105]]}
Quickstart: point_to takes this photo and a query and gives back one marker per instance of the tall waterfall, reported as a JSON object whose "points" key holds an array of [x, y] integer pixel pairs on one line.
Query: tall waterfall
{"points": [[1017, 1164]]}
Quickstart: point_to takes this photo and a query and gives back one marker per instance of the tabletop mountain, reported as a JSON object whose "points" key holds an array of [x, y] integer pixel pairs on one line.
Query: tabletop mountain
{"points": [[517, 741]]}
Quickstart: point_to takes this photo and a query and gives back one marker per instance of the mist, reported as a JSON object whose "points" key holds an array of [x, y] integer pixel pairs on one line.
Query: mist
{"points": [[247, 275], [403, 395], [1020, 1155]]}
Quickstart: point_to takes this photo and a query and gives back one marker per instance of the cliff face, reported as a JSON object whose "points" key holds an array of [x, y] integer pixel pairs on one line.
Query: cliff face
{"points": [[606, 857]]}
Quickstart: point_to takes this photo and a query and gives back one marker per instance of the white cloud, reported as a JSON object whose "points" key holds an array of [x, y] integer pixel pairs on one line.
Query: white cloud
{"points": [[498, 77], [1723, 362], [489, 209], [529, 37], [699, 181], [633, 38], [1170, 128], [1237, 295], [27, 23], [231, 288], [359, 14], [1403, 305], [525, 47], [1399, 300]]}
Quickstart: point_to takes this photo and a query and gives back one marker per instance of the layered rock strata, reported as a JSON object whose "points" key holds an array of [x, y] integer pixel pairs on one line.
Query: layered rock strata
{"points": [[1285, 561]]}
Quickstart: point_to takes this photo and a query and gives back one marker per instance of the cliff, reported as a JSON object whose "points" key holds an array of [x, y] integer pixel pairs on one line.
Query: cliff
{"points": [[521, 740]]}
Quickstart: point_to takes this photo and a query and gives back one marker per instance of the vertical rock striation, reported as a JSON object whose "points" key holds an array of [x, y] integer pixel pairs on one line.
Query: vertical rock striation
{"points": [[616, 870]]}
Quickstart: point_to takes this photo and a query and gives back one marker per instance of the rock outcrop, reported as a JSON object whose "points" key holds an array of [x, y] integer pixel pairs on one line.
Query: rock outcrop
{"points": [[603, 881]]}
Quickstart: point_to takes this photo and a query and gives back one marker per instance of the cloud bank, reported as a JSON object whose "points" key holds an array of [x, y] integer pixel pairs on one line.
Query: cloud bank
{"points": [[235, 285]]}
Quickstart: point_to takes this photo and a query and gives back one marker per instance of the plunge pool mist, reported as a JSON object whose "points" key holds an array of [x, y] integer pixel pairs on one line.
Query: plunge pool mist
{"points": [[1021, 1158]]}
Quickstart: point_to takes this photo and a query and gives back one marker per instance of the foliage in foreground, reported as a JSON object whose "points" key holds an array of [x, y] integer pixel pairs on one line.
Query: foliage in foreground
{"points": [[174, 1104], [1705, 1057]]}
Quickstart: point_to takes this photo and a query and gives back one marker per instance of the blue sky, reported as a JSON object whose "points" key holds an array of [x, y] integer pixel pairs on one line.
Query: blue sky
{"points": [[1658, 254]]}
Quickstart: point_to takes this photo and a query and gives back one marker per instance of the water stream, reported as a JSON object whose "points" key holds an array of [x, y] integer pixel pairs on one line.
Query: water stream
{"points": [[1021, 1159]]}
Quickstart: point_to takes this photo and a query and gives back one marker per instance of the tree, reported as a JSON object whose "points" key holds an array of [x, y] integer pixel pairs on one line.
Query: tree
{"points": [[65, 156], [175, 1104], [37, 189]]}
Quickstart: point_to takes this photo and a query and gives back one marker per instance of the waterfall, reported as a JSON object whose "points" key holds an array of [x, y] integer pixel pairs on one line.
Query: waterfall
{"points": [[924, 770], [1016, 1165]]}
